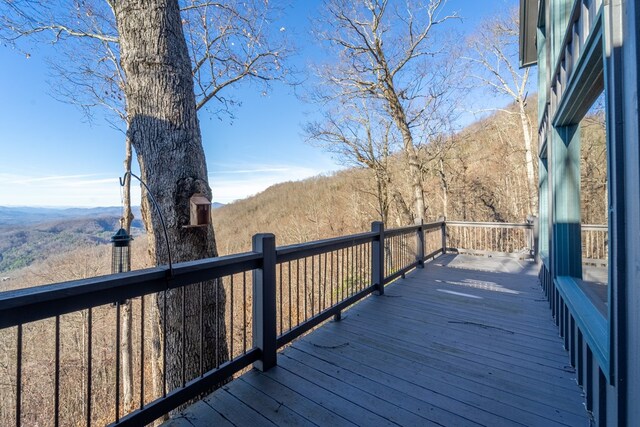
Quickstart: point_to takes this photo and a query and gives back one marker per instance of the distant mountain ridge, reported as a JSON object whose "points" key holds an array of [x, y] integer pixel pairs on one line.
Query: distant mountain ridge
{"points": [[32, 215], [28, 234], [21, 245]]}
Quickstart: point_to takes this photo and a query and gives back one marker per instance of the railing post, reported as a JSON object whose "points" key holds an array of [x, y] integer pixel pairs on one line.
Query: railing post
{"points": [[377, 257], [443, 230], [420, 244], [533, 235], [264, 302]]}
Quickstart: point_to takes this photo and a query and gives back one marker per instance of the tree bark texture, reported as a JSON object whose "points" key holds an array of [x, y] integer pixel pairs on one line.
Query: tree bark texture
{"points": [[399, 116], [445, 189], [532, 188], [382, 192], [165, 132], [404, 213]]}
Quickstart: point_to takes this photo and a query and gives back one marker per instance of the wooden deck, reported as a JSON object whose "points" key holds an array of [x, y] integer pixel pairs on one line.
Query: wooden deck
{"points": [[465, 341]]}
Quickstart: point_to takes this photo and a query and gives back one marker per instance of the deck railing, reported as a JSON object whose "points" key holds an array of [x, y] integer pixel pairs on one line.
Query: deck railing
{"points": [[498, 238], [595, 244], [61, 358]]}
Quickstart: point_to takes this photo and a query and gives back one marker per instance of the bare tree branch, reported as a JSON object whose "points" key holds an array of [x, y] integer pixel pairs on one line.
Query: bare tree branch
{"points": [[231, 42], [493, 49], [388, 53]]}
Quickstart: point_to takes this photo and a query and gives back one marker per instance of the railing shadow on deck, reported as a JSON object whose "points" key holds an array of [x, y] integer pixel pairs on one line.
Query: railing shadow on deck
{"points": [[274, 295]]}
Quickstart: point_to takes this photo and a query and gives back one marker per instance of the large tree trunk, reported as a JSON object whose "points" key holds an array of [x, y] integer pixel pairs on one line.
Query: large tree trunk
{"points": [[419, 205], [532, 188], [165, 132], [397, 112], [399, 117], [382, 193], [404, 214], [445, 189]]}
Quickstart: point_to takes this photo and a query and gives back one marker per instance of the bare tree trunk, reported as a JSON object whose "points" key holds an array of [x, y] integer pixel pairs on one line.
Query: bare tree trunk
{"points": [[126, 344], [405, 214], [127, 215], [528, 157], [464, 192], [382, 187], [165, 132], [445, 190], [415, 173], [491, 44], [396, 110], [387, 67]]}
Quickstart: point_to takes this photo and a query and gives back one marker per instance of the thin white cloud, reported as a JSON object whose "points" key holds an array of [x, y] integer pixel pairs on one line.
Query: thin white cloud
{"points": [[251, 171], [18, 179], [60, 190], [248, 180], [96, 182], [228, 183]]}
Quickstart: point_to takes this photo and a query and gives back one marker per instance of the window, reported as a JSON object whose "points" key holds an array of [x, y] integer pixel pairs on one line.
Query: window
{"points": [[594, 204]]}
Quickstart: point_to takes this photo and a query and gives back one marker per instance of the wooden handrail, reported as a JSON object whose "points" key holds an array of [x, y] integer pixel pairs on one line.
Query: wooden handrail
{"points": [[408, 244]]}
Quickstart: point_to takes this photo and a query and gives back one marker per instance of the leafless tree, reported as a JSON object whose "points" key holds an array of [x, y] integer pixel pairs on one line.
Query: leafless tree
{"points": [[494, 52], [229, 42], [593, 165], [441, 153], [134, 59], [232, 41], [387, 51], [358, 135]]}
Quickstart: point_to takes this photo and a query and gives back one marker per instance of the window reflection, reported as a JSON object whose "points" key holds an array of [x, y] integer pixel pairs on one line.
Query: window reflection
{"points": [[594, 204]]}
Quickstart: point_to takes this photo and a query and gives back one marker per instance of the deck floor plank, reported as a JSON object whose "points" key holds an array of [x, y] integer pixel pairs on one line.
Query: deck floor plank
{"points": [[200, 413], [341, 387], [465, 341], [346, 408], [313, 412], [395, 341], [477, 388], [471, 378], [459, 354], [235, 410], [275, 411], [351, 372], [464, 329], [480, 340], [442, 408]]}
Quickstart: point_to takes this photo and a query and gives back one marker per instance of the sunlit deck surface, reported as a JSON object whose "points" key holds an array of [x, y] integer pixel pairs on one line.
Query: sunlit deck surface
{"points": [[464, 341]]}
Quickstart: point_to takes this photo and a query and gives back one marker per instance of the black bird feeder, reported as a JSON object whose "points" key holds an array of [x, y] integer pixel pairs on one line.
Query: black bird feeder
{"points": [[121, 255]]}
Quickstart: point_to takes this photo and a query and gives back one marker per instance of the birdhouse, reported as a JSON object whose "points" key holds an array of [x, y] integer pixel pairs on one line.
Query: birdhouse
{"points": [[200, 208], [120, 254]]}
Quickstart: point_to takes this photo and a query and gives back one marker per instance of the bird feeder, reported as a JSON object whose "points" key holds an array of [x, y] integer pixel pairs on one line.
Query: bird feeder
{"points": [[200, 210], [120, 253]]}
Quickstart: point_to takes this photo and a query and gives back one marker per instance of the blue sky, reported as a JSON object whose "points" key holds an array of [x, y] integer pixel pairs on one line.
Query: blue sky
{"points": [[51, 156]]}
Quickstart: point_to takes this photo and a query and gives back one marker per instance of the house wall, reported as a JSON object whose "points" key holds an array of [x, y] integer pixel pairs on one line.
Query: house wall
{"points": [[586, 47]]}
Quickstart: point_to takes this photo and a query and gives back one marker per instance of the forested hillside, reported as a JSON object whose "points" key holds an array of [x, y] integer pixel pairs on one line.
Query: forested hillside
{"points": [[476, 174], [21, 245], [18, 216]]}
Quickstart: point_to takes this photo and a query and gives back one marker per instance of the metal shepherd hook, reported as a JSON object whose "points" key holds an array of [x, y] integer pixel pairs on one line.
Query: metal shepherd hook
{"points": [[155, 205]]}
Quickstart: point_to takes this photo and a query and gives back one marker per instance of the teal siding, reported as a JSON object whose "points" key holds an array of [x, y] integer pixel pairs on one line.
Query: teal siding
{"points": [[543, 229], [585, 47], [567, 254]]}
